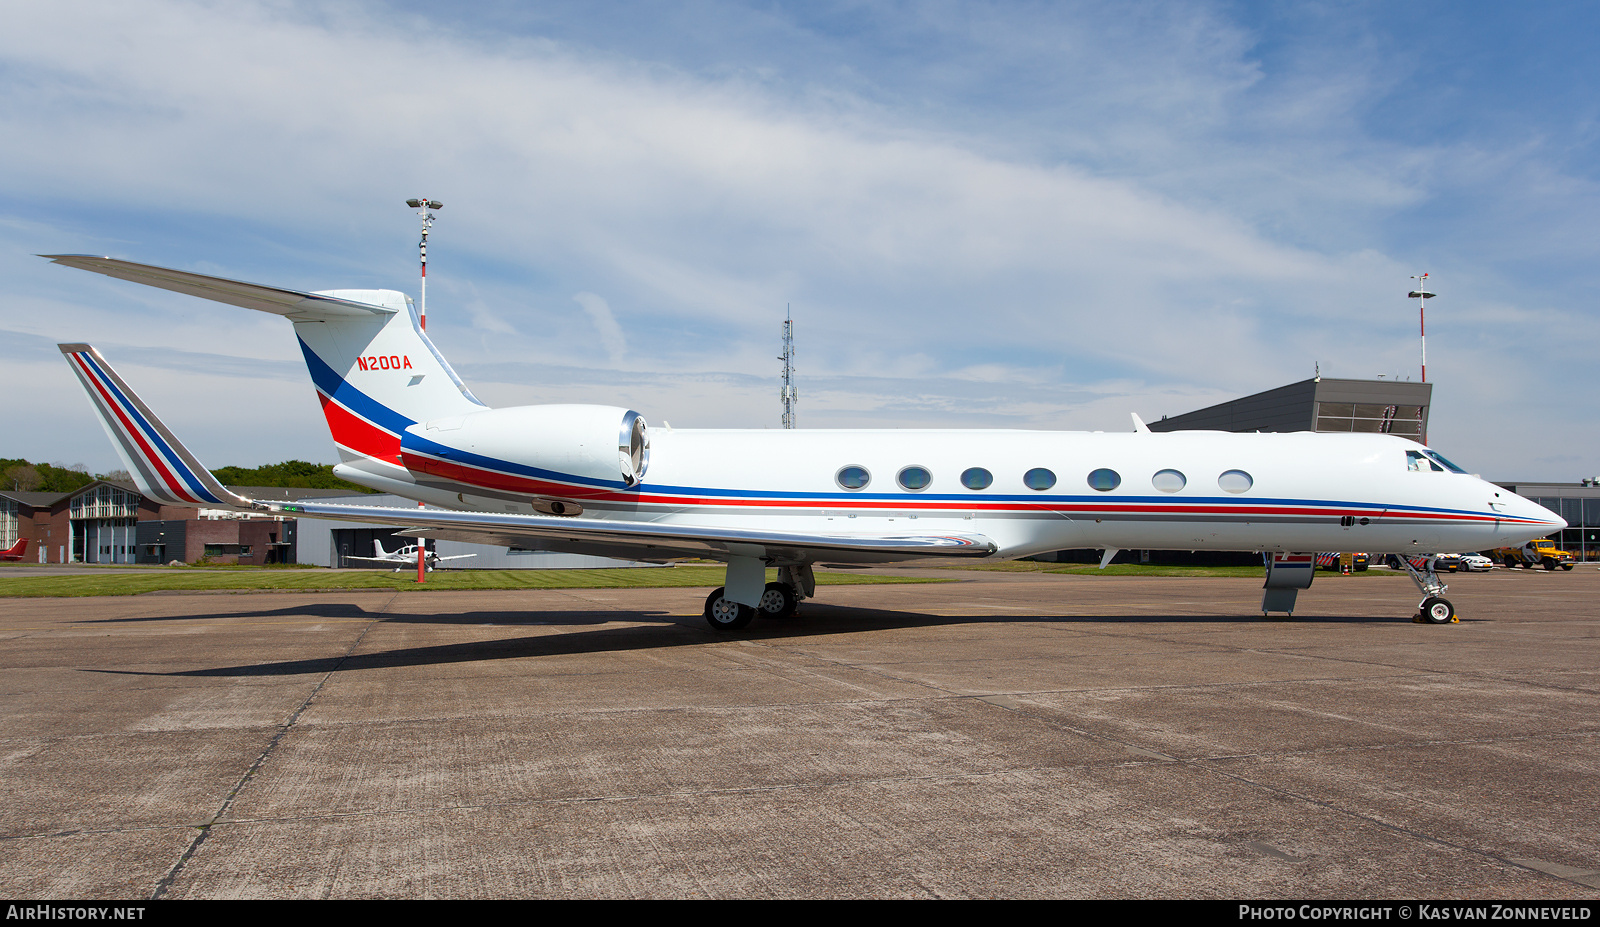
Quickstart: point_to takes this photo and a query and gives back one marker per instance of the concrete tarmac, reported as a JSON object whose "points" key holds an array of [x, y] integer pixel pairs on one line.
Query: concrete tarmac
{"points": [[1010, 735]]}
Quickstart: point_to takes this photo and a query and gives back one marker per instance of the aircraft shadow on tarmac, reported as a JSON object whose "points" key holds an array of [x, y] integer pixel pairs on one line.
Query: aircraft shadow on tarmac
{"points": [[346, 611], [663, 632]]}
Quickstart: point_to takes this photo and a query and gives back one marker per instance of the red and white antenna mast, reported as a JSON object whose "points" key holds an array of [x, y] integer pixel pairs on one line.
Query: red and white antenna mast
{"points": [[424, 208]]}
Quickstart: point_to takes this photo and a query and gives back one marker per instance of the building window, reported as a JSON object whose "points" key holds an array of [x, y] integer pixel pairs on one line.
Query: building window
{"points": [[1371, 418], [104, 502], [9, 526]]}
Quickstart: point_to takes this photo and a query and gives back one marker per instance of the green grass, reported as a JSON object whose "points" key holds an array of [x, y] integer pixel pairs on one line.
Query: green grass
{"points": [[1255, 571], [201, 579]]}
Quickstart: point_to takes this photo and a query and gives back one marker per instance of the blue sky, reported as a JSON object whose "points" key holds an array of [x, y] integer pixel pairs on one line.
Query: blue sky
{"points": [[1011, 214]]}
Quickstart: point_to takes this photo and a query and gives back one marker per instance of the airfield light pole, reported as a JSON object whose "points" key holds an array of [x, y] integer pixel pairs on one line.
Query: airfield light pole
{"points": [[1421, 295], [424, 208], [788, 391]]}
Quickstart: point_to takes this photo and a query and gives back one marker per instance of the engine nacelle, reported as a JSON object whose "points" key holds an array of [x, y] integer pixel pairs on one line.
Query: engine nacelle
{"points": [[540, 443]]}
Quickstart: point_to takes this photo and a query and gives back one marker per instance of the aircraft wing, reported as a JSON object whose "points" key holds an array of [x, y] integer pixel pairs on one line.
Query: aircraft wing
{"points": [[647, 540], [296, 305], [165, 470]]}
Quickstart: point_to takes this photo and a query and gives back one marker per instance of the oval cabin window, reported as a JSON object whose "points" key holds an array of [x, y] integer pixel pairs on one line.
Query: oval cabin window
{"points": [[1104, 480], [853, 478], [915, 479], [1235, 481], [1039, 479], [1168, 480]]}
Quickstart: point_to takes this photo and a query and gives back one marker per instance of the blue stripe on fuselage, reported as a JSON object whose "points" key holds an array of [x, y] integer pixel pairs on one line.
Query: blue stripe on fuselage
{"points": [[338, 389]]}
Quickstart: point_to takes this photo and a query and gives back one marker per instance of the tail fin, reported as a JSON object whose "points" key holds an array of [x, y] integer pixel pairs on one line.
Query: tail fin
{"points": [[375, 371], [160, 464]]}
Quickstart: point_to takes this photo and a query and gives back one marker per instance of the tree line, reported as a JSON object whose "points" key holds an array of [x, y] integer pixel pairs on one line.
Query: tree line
{"points": [[20, 475]]}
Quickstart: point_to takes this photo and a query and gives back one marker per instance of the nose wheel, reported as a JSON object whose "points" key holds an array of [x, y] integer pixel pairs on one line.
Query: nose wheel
{"points": [[1437, 610]]}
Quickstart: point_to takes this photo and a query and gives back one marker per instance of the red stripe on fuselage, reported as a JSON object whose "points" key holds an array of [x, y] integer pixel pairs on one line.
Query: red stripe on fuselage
{"points": [[506, 482], [356, 433]]}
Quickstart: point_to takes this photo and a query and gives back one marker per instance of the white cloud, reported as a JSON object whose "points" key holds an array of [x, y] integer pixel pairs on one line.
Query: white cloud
{"points": [[1088, 208], [605, 326]]}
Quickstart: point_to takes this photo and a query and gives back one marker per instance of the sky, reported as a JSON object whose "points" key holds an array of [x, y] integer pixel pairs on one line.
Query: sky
{"points": [[1011, 215]]}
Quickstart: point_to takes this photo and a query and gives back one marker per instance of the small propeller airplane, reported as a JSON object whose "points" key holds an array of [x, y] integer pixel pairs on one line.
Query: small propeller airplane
{"points": [[597, 480], [406, 557], [16, 551]]}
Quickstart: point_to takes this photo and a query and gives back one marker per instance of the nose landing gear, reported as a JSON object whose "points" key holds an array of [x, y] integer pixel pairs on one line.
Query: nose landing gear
{"points": [[1435, 608]]}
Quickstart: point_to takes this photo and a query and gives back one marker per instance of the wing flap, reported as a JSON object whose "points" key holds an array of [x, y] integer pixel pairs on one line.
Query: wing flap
{"points": [[294, 304]]}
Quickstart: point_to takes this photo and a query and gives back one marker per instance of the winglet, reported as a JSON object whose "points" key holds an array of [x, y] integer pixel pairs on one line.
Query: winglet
{"points": [[1138, 423], [161, 466]]}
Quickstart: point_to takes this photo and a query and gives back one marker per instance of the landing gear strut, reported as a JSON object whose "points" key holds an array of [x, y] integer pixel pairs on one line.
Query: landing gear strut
{"points": [[1435, 608]]}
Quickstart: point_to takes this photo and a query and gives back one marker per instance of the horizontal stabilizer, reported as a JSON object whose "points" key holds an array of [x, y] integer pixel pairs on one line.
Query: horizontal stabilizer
{"points": [[293, 304], [163, 468]]}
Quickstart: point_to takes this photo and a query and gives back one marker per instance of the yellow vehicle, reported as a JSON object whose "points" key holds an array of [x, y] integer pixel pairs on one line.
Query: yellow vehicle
{"points": [[1534, 553]]}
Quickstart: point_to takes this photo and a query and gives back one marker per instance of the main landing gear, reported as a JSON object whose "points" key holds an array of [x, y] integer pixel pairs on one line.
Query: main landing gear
{"points": [[779, 599], [724, 614], [1435, 608]]}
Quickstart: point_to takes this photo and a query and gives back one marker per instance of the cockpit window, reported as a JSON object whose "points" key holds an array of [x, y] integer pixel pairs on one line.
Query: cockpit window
{"points": [[1416, 461], [1447, 464]]}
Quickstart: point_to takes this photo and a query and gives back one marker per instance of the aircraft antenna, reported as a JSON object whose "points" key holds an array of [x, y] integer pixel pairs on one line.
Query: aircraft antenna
{"points": [[788, 392], [424, 208]]}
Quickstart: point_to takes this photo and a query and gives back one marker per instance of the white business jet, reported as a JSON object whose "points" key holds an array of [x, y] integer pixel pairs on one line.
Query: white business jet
{"points": [[406, 557], [596, 480]]}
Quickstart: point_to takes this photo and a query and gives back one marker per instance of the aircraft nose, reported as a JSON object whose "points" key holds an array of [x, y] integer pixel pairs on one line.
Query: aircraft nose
{"points": [[1556, 521]]}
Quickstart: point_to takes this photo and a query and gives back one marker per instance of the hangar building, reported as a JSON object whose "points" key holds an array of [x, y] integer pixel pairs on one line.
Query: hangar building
{"points": [[1320, 404]]}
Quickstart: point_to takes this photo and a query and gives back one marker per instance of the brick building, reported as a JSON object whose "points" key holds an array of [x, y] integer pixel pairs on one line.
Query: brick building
{"points": [[109, 521]]}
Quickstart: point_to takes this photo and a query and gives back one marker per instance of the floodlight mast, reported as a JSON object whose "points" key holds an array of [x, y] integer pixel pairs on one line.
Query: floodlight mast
{"points": [[1421, 295], [424, 208]]}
